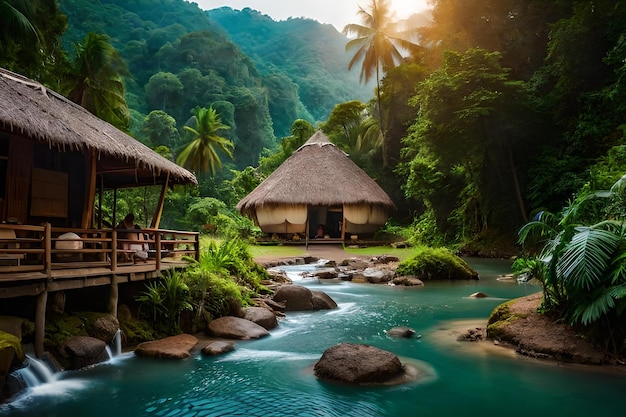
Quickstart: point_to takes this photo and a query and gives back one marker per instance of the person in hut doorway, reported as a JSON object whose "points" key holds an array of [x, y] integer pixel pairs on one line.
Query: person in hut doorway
{"points": [[320, 232], [139, 250]]}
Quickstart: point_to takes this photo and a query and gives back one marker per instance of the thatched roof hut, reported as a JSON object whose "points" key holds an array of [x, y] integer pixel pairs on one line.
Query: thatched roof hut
{"points": [[318, 185], [30, 110], [54, 155]]}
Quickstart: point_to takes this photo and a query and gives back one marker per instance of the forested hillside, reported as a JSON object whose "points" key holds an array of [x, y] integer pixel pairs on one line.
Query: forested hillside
{"points": [[502, 109], [310, 54], [179, 58]]}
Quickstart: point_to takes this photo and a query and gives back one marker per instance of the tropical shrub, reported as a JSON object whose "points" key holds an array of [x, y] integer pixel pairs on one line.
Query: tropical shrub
{"points": [[583, 263], [436, 264], [224, 280], [165, 300], [213, 296]]}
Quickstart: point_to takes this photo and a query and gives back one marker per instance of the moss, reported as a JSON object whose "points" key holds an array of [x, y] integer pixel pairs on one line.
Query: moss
{"points": [[7, 340], [501, 317], [436, 264], [61, 327], [502, 312], [136, 331]]}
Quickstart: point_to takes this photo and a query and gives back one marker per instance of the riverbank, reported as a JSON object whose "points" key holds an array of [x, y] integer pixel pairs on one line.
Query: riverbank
{"points": [[525, 333], [521, 332]]}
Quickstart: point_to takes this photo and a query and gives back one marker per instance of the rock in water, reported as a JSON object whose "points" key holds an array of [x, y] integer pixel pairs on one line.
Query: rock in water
{"points": [[218, 348], [401, 331], [358, 364], [479, 295], [173, 347], [236, 328]]}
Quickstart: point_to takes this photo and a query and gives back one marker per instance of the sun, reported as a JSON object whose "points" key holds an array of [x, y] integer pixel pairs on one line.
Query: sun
{"points": [[405, 8]]}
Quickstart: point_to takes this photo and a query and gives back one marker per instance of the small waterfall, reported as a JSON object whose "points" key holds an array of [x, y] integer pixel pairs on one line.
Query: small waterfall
{"points": [[36, 372], [41, 369], [115, 347], [117, 342]]}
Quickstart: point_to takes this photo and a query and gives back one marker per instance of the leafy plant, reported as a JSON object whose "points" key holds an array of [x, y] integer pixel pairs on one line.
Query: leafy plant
{"points": [[166, 299], [436, 263], [584, 273]]}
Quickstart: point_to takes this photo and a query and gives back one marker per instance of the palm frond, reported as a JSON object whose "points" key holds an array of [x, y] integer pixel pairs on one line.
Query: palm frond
{"points": [[586, 258], [591, 311]]}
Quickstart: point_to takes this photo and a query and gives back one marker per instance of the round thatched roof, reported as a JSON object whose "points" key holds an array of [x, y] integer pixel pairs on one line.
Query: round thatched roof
{"points": [[29, 109], [317, 174]]}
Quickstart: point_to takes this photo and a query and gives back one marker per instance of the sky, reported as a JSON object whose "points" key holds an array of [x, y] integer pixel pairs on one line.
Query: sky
{"points": [[336, 12]]}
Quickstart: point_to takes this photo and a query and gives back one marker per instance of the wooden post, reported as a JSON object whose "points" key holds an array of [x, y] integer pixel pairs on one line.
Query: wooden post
{"points": [[306, 231], [113, 297], [90, 194], [157, 246], [40, 322], [48, 250], [113, 250], [114, 219], [100, 192], [197, 247], [156, 219]]}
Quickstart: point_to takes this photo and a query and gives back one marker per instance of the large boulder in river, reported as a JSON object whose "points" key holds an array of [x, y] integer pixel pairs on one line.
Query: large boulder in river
{"points": [[85, 351], [322, 301], [236, 328], [358, 364], [299, 298], [173, 347], [261, 316]]}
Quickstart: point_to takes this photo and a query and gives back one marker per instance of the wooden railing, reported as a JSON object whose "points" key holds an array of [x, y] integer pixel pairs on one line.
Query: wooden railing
{"points": [[25, 248]]}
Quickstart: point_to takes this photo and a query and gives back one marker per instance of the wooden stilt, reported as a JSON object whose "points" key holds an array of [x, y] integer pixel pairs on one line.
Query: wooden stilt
{"points": [[40, 322], [113, 298]]}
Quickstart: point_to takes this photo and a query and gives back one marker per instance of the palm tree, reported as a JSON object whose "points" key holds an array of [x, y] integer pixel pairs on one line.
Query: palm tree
{"points": [[200, 154], [96, 81], [379, 43], [15, 18]]}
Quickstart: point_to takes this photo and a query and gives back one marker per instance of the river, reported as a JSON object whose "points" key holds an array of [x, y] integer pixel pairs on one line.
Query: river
{"points": [[273, 376]]}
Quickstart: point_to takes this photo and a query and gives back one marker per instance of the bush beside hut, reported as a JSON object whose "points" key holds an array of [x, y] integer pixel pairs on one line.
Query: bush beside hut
{"points": [[436, 264]]}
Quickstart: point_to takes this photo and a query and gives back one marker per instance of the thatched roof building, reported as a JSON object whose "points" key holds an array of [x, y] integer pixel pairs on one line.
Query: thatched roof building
{"points": [[54, 155], [318, 185], [30, 110]]}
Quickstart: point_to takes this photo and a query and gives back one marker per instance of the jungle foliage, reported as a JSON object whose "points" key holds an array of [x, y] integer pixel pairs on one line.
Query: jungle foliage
{"points": [[430, 264], [181, 57], [505, 108], [581, 265], [224, 280]]}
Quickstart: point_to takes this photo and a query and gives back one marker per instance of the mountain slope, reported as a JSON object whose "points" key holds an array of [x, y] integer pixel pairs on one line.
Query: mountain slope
{"points": [[311, 54]]}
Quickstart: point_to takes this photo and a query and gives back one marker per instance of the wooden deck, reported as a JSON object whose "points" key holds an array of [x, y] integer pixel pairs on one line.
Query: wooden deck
{"points": [[38, 260], [43, 258]]}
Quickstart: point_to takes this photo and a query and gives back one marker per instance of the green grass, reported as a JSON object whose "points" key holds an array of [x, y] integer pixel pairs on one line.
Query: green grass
{"points": [[276, 251], [402, 254], [294, 251]]}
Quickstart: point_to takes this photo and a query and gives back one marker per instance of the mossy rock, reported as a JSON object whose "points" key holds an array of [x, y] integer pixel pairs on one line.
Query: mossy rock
{"points": [[499, 319], [436, 264], [137, 331], [60, 328], [9, 341]]}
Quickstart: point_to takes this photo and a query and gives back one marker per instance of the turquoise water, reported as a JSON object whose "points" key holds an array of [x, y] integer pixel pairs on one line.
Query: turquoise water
{"points": [[273, 376]]}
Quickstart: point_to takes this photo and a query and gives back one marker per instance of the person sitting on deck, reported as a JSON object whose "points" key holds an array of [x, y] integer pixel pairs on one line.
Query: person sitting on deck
{"points": [[140, 250], [320, 232]]}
